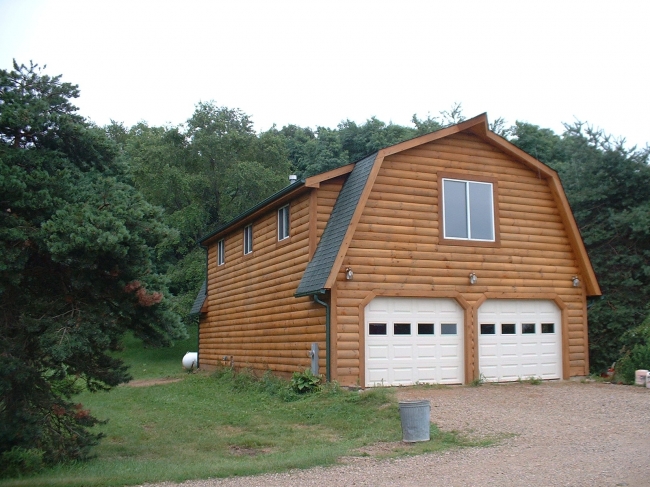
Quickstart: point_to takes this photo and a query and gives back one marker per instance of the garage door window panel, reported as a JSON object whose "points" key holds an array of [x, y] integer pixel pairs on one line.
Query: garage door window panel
{"points": [[377, 328], [528, 328], [487, 329], [448, 329], [425, 329], [508, 328], [548, 327], [401, 329]]}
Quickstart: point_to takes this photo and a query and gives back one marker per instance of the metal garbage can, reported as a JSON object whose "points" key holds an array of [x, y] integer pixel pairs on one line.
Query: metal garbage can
{"points": [[415, 417]]}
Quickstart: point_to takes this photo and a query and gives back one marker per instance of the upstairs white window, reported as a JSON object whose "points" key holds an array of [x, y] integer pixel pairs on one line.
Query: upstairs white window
{"points": [[248, 239], [221, 252], [468, 210], [283, 223]]}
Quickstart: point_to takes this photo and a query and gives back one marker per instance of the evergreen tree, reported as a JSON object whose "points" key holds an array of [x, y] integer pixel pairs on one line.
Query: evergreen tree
{"points": [[77, 266], [607, 186]]}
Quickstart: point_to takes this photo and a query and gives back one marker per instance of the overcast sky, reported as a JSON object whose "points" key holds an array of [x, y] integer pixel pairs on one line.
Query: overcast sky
{"points": [[315, 63]]}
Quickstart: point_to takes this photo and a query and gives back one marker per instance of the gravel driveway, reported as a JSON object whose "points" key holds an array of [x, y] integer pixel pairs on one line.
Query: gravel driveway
{"points": [[563, 434]]}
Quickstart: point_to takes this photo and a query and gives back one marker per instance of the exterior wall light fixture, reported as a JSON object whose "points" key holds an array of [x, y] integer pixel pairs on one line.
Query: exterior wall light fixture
{"points": [[472, 278], [348, 273], [576, 281]]}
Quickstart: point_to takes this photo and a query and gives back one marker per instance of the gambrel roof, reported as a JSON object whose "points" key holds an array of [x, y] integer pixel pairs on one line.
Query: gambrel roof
{"points": [[322, 270], [319, 268], [200, 299]]}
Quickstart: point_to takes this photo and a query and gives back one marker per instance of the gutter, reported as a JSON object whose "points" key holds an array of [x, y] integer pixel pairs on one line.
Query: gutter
{"points": [[283, 192], [327, 336]]}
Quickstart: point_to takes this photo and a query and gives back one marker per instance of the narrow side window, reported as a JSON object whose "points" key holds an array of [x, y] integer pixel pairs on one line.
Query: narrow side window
{"points": [[248, 239], [283, 223], [221, 253]]}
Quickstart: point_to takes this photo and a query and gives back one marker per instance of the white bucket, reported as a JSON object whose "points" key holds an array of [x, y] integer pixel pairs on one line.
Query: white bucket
{"points": [[647, 381], [640, 377]]}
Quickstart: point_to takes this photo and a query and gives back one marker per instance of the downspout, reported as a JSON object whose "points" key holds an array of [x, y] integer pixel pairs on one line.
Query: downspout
{"points": [[327, 336], [198, 324]]}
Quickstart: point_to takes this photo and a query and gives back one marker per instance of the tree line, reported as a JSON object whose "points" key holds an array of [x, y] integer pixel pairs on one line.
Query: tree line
{"points": [[98, 228]]}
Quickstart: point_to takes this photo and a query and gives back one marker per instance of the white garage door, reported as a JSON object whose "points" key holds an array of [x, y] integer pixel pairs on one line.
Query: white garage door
{"points": [[411, 340], [519, 339]]}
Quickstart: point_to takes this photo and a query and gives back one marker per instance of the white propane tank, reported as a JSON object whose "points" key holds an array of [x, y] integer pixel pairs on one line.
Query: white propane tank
{"points": [[190, 360], [640, 377], [647, 381]]}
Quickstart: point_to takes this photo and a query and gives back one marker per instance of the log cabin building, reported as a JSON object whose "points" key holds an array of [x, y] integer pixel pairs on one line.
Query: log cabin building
{"points": [[442, 259]]}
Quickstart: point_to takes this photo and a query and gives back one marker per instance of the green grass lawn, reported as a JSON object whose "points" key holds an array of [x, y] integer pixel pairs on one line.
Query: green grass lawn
{"points": [[224, 424]]}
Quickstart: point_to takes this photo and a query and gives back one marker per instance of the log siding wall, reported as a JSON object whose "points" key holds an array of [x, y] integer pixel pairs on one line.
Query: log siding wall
{"points": [[396, 249], [251, 312]]}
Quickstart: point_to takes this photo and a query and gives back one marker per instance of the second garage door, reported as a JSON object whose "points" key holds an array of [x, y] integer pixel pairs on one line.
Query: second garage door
{"points": [[411, 340], [519, 339]]}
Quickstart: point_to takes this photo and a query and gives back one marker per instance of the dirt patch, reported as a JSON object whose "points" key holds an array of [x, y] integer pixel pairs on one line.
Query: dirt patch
{"points": [[380, 449], [245, 451], [152, 382]]}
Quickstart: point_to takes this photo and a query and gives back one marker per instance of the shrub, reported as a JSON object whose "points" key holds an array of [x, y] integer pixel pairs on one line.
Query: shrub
{"points": [[305, 382], [637, 356], [20, 461]]}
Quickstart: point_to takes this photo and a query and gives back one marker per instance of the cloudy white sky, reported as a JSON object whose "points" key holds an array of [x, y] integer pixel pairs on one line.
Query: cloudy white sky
{"points": [[315, 63]]}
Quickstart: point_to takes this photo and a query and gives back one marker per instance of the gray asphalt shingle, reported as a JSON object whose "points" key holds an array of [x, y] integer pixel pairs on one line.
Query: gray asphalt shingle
{"points": [[320, 267], [200, 299]]}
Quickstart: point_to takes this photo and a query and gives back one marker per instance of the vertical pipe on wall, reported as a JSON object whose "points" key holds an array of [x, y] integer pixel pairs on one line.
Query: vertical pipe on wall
{"points": [[327, 336], [198, 324]]}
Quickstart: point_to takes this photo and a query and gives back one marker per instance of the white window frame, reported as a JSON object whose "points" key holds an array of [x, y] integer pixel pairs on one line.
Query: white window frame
{"points": [[468, 210], [248, 239], [284, 223], [221, 252]]}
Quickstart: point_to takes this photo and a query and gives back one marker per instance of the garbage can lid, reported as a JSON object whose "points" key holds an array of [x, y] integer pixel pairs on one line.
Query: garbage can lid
{"points": [[414, 404]]}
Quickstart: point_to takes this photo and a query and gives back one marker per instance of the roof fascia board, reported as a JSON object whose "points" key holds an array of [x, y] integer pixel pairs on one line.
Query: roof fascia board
{"points": [[555, 184], [514, 151], [314, 181], [343, 249], [591, 283], [439, 134], [278, 198]]}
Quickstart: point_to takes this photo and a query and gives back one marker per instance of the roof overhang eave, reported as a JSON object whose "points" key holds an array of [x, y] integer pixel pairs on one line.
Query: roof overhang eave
{"points": [[310, 293], [261, 206]]}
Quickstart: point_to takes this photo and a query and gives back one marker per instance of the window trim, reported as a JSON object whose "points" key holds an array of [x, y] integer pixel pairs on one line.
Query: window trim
{"points": [[248, 245], [280, 212], [495, 209], [221, 252]]}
